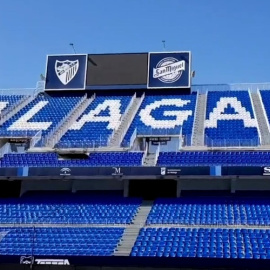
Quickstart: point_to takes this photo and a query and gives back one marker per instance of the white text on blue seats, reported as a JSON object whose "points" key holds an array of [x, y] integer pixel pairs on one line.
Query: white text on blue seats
{"points": [[23, 124], [241, 113], [113, 118], [180, 116]]}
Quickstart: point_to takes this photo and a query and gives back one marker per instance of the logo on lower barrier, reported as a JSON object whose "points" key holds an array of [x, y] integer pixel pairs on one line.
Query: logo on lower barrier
{"points": [[169, 70], [117, 171], [26, 260], [52, 261], [170, 171], [65, 171], [163, 171], [66, 70], [30, 260], [266, 170]]}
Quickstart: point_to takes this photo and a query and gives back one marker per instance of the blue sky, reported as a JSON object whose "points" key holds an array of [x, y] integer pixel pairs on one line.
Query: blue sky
{"points": [[229, 39]]}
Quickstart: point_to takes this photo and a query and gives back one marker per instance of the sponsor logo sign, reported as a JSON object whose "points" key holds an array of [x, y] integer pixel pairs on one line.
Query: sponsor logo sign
{"points": [[169, 70]]}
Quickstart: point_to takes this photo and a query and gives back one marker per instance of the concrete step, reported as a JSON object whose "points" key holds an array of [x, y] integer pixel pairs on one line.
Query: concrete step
{"points": [[199, 117], [119, 134], [132, 231], [261, 117]]}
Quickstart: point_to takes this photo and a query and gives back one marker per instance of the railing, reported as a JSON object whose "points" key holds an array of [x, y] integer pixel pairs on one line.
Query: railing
{"points": [[122, 118], [229, 223], [255, 113], [76, 113], [57, 128], [200, 88], [195, 114], [149, 131], [230, 87], [40, 87], [99, 143], [133, 137], [36, 138], [157, 154], [5, 150], [17, 133], [187, 140], [130, 142], [144, 155], [264, 112], [18, 91], [11, 108], [231, 143], [222, 143], [128, 107], [127, 143]]}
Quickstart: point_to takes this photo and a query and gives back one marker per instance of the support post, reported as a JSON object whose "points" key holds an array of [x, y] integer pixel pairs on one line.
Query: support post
{"points": [[233, 185], [126, 188], [178, 188]]}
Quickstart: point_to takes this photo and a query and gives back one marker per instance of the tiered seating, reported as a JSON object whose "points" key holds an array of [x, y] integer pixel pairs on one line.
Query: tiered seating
{"points": [[8, 101], [214, 158], [207, 243], [51, 160], [163, 115], [230, 119], [43, 113], [68, 209], [200, 211], [96, 124], [265, 94], [60, 241]]}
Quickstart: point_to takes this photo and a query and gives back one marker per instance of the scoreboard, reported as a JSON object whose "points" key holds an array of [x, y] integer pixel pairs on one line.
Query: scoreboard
{"points": [[154, 70]]}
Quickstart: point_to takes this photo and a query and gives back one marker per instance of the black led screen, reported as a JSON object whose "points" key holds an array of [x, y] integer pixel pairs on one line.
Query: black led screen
{"points": [[117, 69]]}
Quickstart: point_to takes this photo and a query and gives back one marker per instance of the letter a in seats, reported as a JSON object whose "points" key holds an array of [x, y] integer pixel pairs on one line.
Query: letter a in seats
{"points": [[93, 116], [241, 113]]}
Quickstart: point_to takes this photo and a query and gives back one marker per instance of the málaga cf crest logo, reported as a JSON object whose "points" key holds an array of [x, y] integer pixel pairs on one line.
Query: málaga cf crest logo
{"points": [[66, 70]]}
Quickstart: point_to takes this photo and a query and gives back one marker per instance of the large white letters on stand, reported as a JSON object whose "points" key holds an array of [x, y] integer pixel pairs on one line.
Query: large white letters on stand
{"points": [[23, 124], [93, 115], [241, 113], [180, 116]]}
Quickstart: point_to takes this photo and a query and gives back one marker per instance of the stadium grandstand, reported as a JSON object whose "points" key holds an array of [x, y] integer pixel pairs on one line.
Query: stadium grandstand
{"points": [[129, 169]]}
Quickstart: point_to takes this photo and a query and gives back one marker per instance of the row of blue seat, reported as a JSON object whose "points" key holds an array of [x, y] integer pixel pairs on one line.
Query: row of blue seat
{"points": [[214, 158], [207, 243], [206, 211], [94, 160], [48, 241]]}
